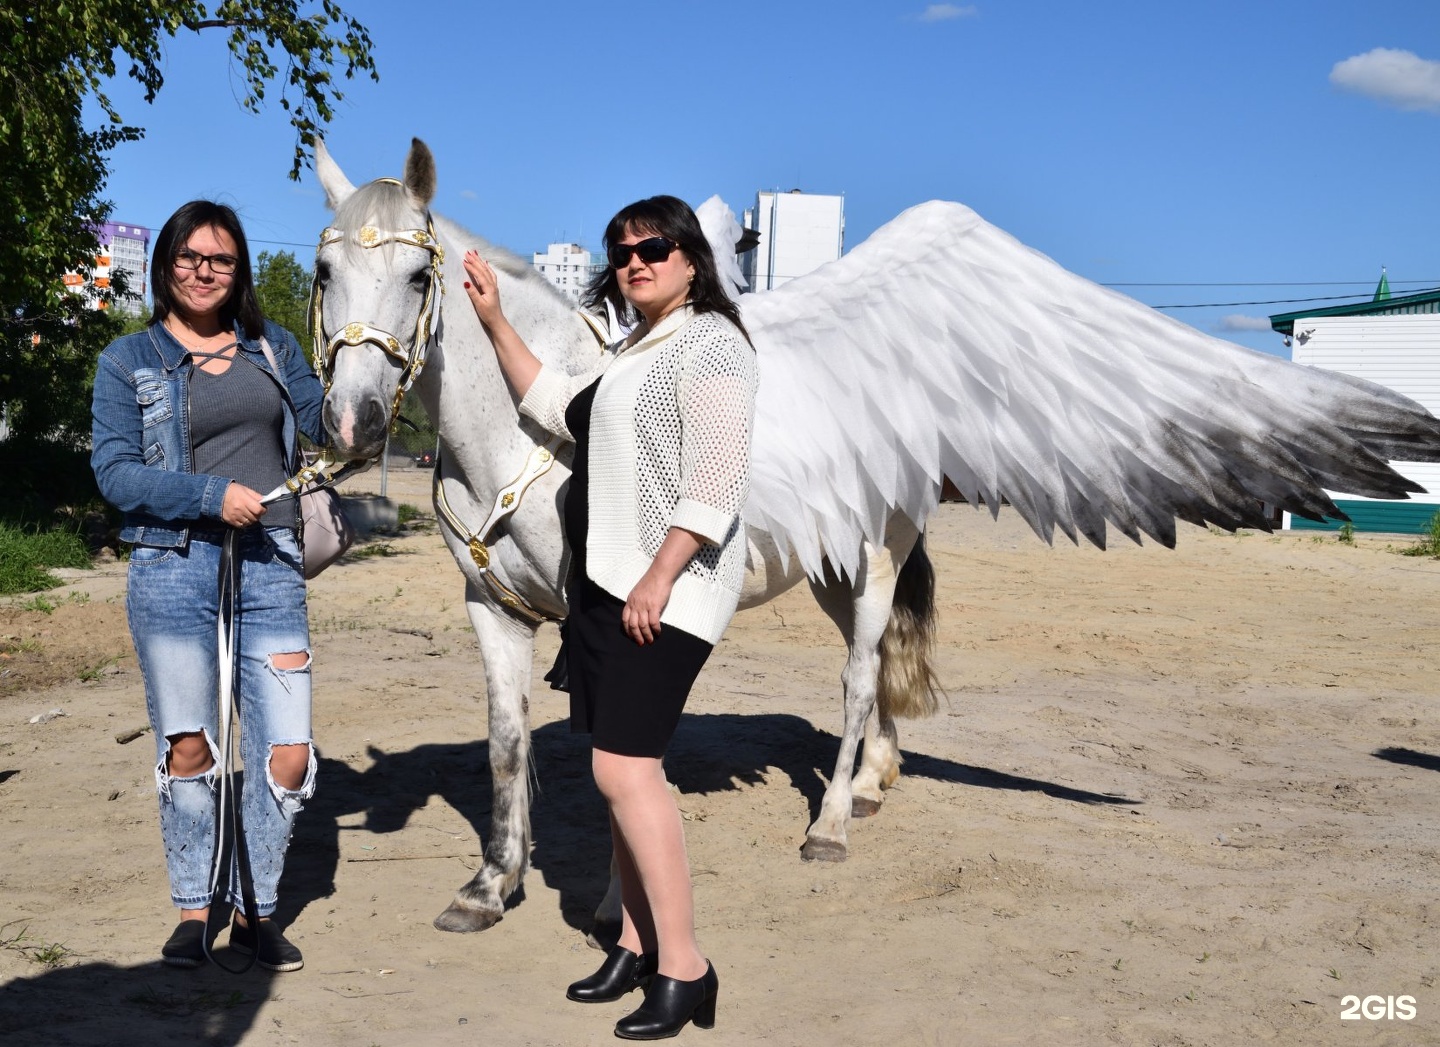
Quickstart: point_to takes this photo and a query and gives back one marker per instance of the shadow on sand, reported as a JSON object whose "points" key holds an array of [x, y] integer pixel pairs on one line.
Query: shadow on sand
{"points": [[1428, 761], [101, 1003], [95, 1003], [711, 753]]}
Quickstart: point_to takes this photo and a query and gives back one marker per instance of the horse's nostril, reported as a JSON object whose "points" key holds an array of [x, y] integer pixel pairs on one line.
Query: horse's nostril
{"points": [[374, 417]]}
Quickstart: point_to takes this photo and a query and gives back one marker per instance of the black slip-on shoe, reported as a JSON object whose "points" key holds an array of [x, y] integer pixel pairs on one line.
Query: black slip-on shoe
{"points": [[273, 951]]}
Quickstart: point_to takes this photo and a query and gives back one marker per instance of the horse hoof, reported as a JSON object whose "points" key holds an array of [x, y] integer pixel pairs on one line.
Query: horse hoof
{"points": [[465, 921], [603, 936], [863, 807], [823, 851]]}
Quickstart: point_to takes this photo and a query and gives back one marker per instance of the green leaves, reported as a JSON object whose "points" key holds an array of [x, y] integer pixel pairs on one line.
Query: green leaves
{"points": [[54, 169], [283, 287]]}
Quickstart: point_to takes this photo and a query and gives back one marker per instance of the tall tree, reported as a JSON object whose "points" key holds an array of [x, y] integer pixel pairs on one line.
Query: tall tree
{"points": [[54, 169], [283, 287]]}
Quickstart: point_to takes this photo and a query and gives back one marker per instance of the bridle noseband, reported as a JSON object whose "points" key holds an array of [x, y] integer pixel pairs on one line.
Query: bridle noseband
{"points": [[412, 361]]}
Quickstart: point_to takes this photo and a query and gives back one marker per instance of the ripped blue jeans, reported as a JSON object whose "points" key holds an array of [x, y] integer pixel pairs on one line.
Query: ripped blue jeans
{"points": [[172, 605]]}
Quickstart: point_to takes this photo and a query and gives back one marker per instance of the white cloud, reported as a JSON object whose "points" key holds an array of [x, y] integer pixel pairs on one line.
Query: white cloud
{"points": [[1241, 322], [1400, 78], [947, 12], [469, 194]]}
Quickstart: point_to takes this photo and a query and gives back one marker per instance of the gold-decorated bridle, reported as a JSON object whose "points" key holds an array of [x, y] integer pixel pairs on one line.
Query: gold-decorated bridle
{"points": [[411, 359]]}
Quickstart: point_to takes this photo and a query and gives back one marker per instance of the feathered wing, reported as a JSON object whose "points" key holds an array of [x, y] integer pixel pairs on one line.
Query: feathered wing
{"points": [[943, 347], [722, 232]]}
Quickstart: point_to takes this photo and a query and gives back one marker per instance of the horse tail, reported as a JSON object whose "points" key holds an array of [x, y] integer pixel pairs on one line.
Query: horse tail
{"points": [[907, 686]]}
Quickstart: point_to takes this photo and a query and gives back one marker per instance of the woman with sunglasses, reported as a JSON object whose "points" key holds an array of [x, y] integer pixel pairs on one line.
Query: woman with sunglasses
{"points": [[662, 447], [192, 417]]}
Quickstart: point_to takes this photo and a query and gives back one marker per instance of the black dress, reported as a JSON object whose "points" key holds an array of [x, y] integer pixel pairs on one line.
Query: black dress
{"points": [[627, 697]]}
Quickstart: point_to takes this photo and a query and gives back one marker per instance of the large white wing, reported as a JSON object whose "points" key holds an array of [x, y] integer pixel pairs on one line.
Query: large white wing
{"points": [[722, 232], [943, 347]]}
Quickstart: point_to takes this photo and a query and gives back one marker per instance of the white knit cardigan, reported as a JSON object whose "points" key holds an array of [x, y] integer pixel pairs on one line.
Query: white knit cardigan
{"points": [[669, 447]]}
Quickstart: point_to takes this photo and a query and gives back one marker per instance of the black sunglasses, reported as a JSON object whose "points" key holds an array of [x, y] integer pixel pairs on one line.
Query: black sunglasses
{"points": [[655, 249]]}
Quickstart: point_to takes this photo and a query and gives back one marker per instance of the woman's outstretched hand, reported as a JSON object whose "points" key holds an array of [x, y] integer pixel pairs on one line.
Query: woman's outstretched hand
{"points": [[483, 289]]}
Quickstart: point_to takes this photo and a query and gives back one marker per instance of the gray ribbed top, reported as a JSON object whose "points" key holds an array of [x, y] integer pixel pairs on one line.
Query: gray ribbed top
{"points": [[236, 422]]}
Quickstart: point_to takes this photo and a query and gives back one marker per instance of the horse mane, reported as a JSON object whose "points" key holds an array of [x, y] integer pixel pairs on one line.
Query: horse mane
{"points": [[503, 259], [389, 206]]}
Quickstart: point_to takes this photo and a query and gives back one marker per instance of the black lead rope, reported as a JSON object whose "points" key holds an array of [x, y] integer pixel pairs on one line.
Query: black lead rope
{"points": [[228, 814]]}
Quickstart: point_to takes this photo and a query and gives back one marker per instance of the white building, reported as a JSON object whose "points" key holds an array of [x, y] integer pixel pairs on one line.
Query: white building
{"points": [[1391, 341], [568, 267], [121, 247], [798, 232]]}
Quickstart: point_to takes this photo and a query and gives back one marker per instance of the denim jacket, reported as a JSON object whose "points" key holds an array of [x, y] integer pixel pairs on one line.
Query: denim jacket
{"points": [[141, 448]]}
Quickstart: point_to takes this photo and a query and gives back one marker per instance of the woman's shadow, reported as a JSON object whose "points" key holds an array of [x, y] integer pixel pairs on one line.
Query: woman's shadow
{"points": [[105, 1003]]}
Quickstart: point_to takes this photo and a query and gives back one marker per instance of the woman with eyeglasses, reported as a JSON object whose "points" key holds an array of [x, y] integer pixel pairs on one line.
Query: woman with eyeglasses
{"points": [[661, 469], [192, 418]]}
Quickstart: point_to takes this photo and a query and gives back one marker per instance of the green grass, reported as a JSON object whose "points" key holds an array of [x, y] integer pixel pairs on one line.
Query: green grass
{"points": [[1429, 543], [27, 554], [369, 552], [47, 954]]}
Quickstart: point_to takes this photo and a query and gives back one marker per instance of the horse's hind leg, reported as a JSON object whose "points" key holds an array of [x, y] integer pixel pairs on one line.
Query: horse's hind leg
{"points": [[508, 647], [861, 611], [906, 684], [879, 766]]}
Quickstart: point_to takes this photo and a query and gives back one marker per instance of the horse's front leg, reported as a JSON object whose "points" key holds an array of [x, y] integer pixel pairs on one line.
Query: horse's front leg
{"points": [[508, 647], [861, 611]]}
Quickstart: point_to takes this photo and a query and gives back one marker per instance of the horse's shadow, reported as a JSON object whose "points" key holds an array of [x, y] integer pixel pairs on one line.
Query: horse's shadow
{"points": [[710, 753]]}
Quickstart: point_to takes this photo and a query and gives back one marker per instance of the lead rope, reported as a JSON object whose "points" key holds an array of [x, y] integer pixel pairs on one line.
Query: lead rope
{"points": [[228, 815]]}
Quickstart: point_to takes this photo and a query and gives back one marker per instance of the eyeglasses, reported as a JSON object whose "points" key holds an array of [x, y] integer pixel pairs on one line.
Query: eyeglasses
{"points": [[220, 264], [655, 249]]}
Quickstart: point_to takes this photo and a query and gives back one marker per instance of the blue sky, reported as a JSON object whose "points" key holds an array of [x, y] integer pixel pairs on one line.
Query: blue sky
{"points": [[1286, 149]]}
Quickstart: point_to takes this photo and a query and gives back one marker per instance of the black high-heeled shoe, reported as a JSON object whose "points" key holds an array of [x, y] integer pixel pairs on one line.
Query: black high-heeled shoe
{"points": [[669, 1004], [621, 972]]}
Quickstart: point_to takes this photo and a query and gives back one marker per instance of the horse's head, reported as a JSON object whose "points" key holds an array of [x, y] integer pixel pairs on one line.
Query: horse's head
{"points": [[376, 297]]}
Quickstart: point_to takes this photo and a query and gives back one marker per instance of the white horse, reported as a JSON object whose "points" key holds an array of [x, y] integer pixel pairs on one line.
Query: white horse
{"points": [[939, 350]]}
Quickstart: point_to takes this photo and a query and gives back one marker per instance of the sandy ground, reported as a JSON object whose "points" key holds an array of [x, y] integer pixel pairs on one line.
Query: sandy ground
{"points": [[1174, 798]]}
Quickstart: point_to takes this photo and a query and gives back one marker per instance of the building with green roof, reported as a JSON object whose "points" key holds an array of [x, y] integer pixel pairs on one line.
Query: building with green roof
{"points": [[1392, 341]]}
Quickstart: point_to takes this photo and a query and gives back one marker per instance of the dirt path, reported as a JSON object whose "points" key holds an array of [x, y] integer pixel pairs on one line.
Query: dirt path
{"points": [[1174, 798]]}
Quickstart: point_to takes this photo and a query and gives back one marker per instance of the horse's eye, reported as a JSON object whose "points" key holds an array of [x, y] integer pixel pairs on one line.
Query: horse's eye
{"points": [[322, 272], [419, 279]]}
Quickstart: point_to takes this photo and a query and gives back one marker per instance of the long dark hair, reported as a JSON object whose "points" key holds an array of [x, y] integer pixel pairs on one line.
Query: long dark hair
{"points": [[670, 217], [242, 304]]}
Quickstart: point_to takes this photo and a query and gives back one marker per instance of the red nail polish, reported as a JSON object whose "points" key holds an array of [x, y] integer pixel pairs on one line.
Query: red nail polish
{"points": [[467, 285]]}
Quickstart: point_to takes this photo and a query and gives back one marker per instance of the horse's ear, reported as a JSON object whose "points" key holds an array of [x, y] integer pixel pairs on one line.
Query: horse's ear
{"points": [[337, 187], [420, 172]]}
